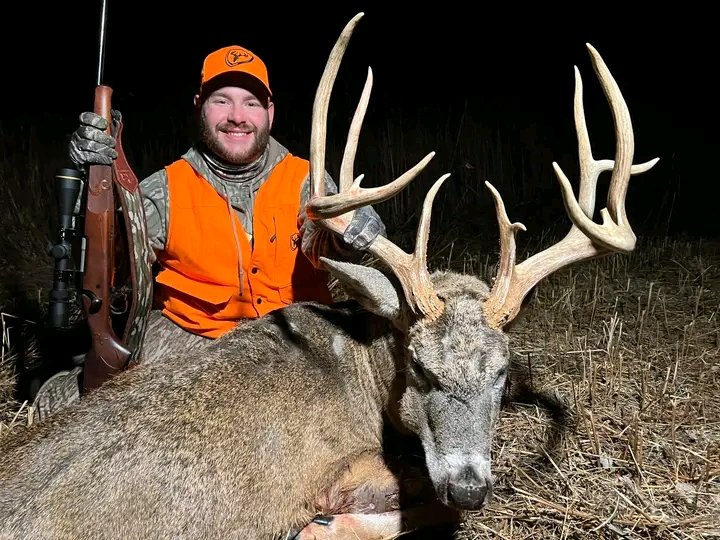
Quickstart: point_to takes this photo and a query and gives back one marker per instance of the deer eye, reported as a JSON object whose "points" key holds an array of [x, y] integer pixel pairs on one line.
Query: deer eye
{"points": [[422, 375], [417, 368], [500, 378]]}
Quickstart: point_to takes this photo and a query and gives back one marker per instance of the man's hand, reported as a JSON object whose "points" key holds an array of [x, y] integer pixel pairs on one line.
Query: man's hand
{"points": [[364, 228], [89, 144]]}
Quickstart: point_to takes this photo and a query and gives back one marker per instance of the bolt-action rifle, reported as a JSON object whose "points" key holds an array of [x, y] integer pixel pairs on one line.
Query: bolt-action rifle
{"points": [[116, 275]]}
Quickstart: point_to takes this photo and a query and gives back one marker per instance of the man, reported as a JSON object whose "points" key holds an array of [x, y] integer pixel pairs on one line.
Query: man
{"points": [[226, 221]]}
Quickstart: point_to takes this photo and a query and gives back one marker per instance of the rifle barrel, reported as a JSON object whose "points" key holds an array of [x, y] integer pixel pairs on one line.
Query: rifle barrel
{"points": [[101, 54]]}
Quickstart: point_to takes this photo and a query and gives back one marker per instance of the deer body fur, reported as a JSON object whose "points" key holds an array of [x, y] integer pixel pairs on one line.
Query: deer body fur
{"points": [[241, 440]]}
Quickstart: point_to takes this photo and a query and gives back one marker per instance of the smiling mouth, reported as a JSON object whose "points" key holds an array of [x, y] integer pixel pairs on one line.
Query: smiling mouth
{"points": [[237, 134]]}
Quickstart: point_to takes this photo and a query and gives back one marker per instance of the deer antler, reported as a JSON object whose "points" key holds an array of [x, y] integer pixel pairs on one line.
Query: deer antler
{"points": [[334, 212], [586, 239]]}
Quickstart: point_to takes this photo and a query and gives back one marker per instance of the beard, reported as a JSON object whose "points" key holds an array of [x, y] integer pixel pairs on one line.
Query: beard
{"points": [[211, 141]]}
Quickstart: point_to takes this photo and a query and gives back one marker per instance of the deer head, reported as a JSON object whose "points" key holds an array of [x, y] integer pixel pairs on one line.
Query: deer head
{"points": [[456, 354]]}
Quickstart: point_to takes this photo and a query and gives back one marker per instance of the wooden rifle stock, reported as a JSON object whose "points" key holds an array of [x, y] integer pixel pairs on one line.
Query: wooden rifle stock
{"points": [[107, 354]]}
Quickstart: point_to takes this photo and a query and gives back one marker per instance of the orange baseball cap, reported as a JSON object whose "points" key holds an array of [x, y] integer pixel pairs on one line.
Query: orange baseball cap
{"points": [[234, 59]]}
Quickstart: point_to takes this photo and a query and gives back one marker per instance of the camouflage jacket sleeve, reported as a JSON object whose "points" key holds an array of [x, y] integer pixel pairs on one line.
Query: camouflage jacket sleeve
{"points": [[154, 190], [318, 242]]}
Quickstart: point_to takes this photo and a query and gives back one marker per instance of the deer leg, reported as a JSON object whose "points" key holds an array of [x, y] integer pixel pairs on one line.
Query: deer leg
{"points": [[352, 526], [367, 486], [371, 502], [381, 526]]}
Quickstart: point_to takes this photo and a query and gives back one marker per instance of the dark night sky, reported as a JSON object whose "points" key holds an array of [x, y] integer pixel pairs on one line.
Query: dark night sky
{"points": [[516, 62]]}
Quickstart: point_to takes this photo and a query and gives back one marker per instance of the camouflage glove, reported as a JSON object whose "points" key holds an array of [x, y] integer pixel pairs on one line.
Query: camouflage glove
{"points": [[89, 144], [364, 228]]}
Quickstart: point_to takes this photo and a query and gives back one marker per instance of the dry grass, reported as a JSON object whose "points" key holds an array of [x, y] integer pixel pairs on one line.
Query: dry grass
{"points": [[19, 345], [614, 425]]}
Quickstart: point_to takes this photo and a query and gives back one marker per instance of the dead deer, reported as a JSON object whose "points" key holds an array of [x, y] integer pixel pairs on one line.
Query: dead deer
{"points": [[283, 418]]}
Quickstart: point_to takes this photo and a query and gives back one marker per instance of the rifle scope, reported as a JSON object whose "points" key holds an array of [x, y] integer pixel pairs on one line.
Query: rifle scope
{"points": [[68, 183]]}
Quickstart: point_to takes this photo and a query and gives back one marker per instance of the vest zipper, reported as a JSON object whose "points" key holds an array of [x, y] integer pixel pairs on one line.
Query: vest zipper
{"points": [[238, 247]]}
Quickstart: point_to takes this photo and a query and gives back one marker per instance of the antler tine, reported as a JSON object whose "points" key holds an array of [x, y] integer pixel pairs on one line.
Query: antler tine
{"points": [[348, 161], [411, 270], [318, 133], [586, 239], [335, 211], [625, 146], [506, 265]]}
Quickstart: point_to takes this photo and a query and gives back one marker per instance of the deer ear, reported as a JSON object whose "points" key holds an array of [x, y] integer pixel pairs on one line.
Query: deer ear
{"points": [[369, 286]]}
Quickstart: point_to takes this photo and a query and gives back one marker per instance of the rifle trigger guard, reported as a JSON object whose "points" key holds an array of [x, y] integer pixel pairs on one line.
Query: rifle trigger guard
{"points": [[119, 304]]}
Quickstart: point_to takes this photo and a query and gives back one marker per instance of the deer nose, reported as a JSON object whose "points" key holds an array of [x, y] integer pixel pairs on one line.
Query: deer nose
{"points": [[467, 490]]}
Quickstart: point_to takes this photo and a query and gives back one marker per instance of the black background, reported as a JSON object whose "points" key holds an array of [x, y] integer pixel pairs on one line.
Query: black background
{"points": [[510, 66]]}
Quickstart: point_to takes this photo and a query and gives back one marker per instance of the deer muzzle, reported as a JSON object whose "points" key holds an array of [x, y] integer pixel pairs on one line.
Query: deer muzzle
{"points": [[468, 489]]}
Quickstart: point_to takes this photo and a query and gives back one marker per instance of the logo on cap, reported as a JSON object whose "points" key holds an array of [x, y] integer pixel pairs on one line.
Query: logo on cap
{"points": [[235, 57]]}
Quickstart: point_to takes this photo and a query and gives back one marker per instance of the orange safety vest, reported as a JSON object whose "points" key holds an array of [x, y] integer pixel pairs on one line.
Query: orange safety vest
{"points": [[198, 286]]}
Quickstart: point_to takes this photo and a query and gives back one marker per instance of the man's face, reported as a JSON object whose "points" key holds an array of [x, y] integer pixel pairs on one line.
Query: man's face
{"points": [[235, 124]]}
